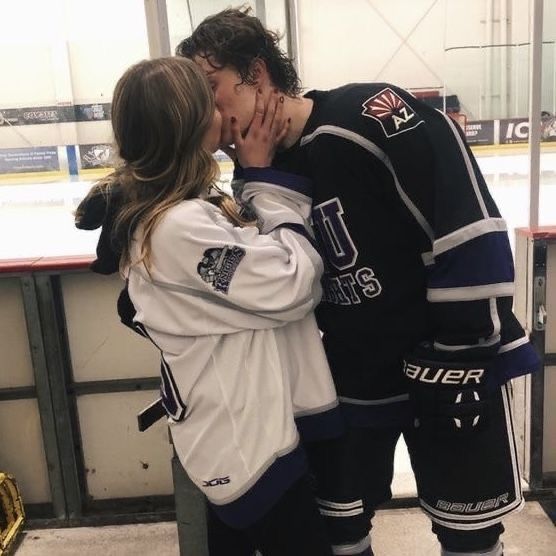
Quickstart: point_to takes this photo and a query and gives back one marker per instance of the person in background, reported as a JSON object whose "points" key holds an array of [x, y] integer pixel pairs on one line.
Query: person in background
{"points": [[229, 304], [416, 314]]}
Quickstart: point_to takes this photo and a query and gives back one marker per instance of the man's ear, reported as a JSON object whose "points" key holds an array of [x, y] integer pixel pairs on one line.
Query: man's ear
{"points": [[259, 72]]}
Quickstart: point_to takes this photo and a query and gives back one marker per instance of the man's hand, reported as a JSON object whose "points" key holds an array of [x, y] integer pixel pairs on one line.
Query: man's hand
{"points": [[266, 131]]}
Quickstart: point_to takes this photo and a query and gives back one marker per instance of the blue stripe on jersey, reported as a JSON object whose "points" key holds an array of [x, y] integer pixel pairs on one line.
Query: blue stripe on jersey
{"points": [[260, 498], [294, 182], [320, 426], [389, 415], [516, 362], [486, 259]]}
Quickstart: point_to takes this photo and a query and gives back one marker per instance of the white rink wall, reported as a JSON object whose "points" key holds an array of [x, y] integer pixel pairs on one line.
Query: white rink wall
{"points": [[63, 52]]}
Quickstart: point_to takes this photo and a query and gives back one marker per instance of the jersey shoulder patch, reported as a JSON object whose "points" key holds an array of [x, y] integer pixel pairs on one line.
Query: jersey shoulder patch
{"points": [[393, 114], [218, 265]]}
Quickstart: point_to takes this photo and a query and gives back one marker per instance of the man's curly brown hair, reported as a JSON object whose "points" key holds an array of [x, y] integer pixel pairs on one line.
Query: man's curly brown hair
{"points": [[234, 38]]}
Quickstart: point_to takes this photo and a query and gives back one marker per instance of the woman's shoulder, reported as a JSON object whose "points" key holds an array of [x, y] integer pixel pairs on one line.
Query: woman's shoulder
{"points": [[191, 214]]}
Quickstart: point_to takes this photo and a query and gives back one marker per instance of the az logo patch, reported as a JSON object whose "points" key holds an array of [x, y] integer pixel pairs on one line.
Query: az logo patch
{"points": [[391, 112]]}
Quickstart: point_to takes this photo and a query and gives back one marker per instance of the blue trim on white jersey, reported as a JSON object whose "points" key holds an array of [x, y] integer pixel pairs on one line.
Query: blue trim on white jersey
{"points": [[486, 259], [320, 426], [272, 176], [266, 492]]}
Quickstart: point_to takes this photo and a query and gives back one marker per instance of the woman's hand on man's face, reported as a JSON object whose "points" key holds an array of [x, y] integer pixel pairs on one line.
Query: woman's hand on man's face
{"points": [[268, 128]]}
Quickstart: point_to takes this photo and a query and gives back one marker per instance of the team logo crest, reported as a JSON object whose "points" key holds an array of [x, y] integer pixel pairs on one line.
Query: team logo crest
{"points": [[218, 265], [391, 112]]}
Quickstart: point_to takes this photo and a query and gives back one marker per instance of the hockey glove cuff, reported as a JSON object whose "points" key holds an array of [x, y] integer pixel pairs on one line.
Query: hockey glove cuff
{"points": [[448, 398]]}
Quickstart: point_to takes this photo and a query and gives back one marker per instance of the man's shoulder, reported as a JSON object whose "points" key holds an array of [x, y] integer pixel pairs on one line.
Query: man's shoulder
{"points": [[353, 91], [376, 111]]}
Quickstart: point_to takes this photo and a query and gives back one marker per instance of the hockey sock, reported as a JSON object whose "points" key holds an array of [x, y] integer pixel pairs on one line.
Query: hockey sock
{"points": [[361, 548], [496, 550]]}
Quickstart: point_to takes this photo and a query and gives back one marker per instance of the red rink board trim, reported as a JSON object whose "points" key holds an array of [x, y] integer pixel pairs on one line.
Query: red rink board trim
{"points": [[542, 232], [43, 264]]}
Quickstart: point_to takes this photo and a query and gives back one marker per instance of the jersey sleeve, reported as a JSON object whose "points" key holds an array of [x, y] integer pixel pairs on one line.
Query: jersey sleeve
{"points": [[274, 275], [469, 265]]}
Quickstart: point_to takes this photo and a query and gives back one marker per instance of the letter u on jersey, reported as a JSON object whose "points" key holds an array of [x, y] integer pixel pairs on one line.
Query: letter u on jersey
{"points": [[340, 249]]}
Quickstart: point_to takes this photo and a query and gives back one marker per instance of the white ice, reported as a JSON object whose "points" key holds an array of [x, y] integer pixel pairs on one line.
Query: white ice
{"points": [[36, 219]]}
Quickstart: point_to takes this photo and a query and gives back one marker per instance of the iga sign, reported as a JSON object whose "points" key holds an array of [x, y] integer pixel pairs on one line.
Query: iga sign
{"points": [[514, 130]]}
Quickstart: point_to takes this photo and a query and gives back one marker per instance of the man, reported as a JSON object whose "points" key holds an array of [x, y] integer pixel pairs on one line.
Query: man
{"points": [[416, 315]]}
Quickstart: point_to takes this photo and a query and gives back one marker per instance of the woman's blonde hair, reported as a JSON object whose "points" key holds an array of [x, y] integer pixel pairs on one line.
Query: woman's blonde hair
{"points": [[161, 111]]}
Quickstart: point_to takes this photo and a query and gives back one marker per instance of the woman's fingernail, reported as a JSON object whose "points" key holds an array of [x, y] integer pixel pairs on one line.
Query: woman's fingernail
{"points": [[289, 120], [260, 91], [233, 118], [281, 99]]}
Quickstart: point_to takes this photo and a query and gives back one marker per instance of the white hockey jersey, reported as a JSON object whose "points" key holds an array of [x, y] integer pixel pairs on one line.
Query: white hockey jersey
{"points": [[231, 311]]}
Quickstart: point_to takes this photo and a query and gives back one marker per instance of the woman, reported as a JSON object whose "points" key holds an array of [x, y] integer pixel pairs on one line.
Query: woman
{"points": [[228, 304]]}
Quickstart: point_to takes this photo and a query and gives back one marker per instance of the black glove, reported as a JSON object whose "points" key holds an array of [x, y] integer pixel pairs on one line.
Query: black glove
{"points": [[448, 397]]}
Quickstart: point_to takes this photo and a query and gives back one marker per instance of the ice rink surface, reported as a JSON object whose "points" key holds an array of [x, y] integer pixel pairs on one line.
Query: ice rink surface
{"points": [[36, 218]]}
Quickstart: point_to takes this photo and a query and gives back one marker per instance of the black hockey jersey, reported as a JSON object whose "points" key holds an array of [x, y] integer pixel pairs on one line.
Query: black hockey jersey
{"points": [[416, 253]]}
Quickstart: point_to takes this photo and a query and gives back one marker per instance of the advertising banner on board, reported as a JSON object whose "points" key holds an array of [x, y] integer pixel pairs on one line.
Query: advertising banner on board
{"points": [[29, 159]]}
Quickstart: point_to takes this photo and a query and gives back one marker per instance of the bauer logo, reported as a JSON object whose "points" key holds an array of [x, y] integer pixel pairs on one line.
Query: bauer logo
{"points": [[219, 481], [391, 112], [219, 265], [442, 376], [473, 507]]}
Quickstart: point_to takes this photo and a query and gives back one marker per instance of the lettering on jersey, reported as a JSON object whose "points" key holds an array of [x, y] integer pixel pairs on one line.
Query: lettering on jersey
{"points": [[217, 482], [219, 265], [443, 376], [391, 112], [340, 249], [473, 507], [350, 288]]}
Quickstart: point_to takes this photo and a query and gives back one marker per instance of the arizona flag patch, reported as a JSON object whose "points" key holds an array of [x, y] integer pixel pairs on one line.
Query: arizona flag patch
{"points": [[391, 112]]}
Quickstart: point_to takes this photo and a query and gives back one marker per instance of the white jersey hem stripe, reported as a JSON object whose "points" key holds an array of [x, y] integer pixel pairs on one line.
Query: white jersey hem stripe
{"points": [[467, 233], [514, 345], [470, 293], [340, 513], [340, 505]]}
